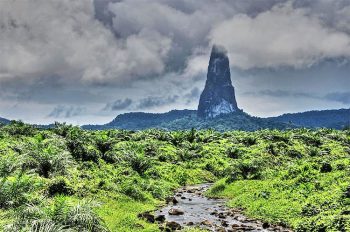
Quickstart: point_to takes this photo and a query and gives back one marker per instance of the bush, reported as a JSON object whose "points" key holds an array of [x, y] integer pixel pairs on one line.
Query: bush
{"points": [[233, 153], [59, 187], [217, 188], [326, 167], [61, 216], [133, 191], [139, 162], [15, 191]]}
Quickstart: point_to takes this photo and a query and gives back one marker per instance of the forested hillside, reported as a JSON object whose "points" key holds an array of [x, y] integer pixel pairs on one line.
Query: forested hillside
{"points": [[4, 121], [187, 119], [337, 119], [69, 179]]}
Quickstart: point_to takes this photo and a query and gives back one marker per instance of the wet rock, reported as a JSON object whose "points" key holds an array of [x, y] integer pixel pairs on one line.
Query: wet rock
{"points": [[265, 225], [220, 229], [234, 226], [191, 190], [207, 213], [147, 216], [160, 218], [172, 200], [206, 223], [173, 226], [215, 212], [173, 211], [224, 223]]}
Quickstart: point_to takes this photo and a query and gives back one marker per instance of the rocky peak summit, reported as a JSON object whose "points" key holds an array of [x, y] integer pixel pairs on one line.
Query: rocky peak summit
{"points": [[218, 96]]}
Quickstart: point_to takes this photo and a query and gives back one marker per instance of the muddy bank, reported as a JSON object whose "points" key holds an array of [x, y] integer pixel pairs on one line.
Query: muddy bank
{"points": [[190, 208]]}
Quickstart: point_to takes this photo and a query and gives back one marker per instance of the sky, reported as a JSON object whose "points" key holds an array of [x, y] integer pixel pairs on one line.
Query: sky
{"points": [[86, 61]]}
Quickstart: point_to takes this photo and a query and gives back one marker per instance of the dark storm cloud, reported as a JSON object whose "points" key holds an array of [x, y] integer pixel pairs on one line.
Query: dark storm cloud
{"points": [[193, 95], [120, 104], [195, 92], [343, 97], [102, 13], [280, 93], [151, 102], [66, 111], [89, 52]]}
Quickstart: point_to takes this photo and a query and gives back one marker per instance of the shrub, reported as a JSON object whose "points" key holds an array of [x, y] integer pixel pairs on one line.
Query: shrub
{"points": [[133, 191], [14, 191], [110, 157], [326, 167], [62, 216], [233, 152], [59, 187], [83, 152], [139, 162], [47, 159], [294, 153], [249, 141], [310, 210], [217, 188]]}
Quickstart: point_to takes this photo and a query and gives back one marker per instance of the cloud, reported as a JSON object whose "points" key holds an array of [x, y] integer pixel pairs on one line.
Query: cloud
{"points": [[281, 93], [151, 102], [119, 42], [119, 104], [63, 38], [282, 36], [193, 95], [74, 53], [66, 112], [342, 97]]}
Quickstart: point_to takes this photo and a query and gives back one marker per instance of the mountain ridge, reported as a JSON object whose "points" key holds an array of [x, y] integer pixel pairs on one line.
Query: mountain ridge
{"points": [[332, 118], [4, 121], [187, 119]]}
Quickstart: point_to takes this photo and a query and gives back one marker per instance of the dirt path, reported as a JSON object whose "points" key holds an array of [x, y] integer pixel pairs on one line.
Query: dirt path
{"points": [[190, 208]]}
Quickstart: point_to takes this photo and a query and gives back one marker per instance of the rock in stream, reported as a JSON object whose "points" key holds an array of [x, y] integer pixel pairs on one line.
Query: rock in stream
{"points": [[190, 208]]}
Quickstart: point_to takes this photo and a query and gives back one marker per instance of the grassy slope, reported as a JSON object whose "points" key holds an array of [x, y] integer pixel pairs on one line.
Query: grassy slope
{"points": [[306, 192], [277, 176]]}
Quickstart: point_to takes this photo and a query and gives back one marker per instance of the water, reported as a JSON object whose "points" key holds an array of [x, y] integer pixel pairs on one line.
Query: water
{"points": [[210, 214]]}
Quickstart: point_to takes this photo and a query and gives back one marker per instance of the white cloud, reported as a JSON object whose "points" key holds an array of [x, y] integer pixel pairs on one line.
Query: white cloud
{"points": [[55, 52], [282, 36], [62, 37]]}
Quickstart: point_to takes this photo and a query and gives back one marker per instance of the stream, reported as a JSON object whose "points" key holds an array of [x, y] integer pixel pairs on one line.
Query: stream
{"points": [[190, 208]]}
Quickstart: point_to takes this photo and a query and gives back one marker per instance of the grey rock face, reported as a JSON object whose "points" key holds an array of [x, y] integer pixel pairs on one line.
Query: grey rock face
{"points": [[218, 96]]}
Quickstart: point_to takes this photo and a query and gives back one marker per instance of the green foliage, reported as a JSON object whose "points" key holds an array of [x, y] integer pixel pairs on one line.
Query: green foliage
{"points": [[60, 215], [50, 179]]}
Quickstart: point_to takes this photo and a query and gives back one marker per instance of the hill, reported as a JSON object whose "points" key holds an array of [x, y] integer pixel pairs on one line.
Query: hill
{"points": [[140, 120], [337, 119], [188, 119], [4, 121], [225, 122]]}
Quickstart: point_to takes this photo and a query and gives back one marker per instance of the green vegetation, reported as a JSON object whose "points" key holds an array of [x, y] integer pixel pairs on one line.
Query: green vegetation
{"points": [[69, 179], [187, 119]]}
